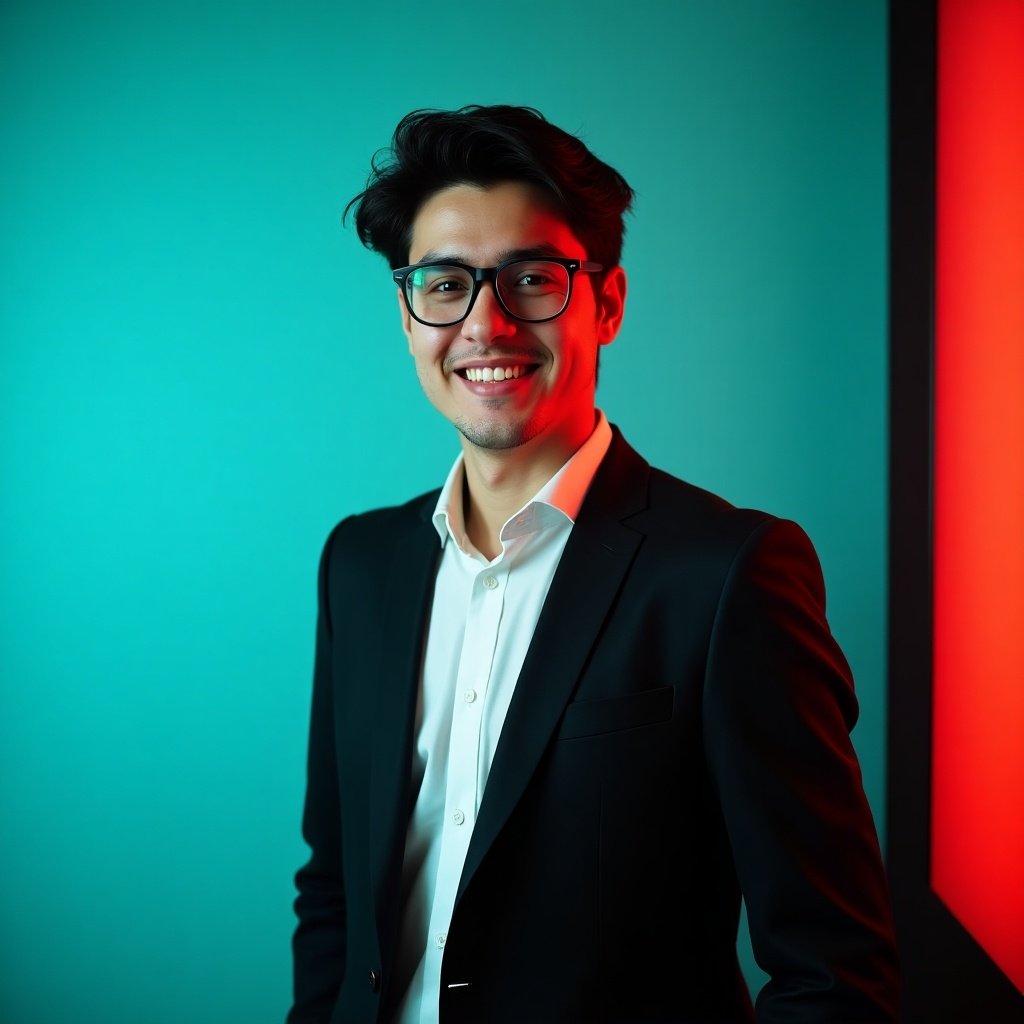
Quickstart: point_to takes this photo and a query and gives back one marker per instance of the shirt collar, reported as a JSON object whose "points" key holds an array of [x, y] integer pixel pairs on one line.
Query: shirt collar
{"points": [[558, 501]]}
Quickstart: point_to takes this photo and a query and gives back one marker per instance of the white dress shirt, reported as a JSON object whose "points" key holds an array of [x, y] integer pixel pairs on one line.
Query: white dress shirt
{"points": [[482, 621]]}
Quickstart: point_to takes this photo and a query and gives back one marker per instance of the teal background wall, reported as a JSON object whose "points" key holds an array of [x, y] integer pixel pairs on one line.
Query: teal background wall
{"points": [[201, 370]]}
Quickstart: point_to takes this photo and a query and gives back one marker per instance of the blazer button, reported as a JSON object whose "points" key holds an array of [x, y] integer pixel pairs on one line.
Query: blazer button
{"points": [[374, 979]]}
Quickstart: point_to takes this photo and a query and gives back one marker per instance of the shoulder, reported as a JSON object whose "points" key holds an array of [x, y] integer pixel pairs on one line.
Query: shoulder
{"points": [[679, 519], [679, 511], [740, 553], [411, 513], [627, 483], [675, 503], [363, 536]]}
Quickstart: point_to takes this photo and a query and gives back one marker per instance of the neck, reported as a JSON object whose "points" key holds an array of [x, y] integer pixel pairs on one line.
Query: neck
{"points": [[499, 482]]}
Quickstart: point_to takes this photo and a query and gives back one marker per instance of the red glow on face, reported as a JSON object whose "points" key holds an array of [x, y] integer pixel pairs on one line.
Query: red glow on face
{"points": [[978, 725]]}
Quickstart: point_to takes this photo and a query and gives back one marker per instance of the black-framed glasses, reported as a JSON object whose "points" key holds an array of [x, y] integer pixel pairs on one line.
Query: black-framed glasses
{"points": [[534, 290]]}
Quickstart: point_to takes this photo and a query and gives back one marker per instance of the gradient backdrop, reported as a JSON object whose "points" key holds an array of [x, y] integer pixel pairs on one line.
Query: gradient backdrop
{"points": [[201, 371]]}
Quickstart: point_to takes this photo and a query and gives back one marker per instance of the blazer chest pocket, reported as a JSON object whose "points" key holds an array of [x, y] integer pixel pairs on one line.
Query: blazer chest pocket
{"points": [[613, 714]]}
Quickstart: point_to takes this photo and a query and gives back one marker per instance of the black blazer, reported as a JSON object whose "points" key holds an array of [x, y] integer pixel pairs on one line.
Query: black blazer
{"points": [[679, 734]]}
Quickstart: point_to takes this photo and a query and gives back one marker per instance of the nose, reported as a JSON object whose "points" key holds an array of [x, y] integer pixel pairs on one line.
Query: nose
{"points": [[486, 319]]}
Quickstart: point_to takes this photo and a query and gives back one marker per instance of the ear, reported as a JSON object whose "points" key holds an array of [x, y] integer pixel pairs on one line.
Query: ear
{"points": [[611, 304], [403, 309]]}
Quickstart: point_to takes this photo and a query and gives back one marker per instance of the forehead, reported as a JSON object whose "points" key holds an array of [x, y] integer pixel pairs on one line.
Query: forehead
{"points": [[482, 225]]}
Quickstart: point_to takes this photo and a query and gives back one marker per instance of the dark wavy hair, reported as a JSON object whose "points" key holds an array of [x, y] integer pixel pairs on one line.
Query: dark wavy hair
{"points": [[484, 145]]}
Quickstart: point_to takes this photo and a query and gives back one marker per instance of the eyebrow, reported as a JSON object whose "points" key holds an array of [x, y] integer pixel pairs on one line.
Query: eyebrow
{"points": [[532, 252]]}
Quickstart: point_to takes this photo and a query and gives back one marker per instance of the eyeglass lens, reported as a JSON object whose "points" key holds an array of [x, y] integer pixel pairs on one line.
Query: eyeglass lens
{"points": [[529, 290]]}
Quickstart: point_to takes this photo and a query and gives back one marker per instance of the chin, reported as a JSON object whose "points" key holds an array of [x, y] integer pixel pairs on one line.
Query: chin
{"points": [[496, 436]]}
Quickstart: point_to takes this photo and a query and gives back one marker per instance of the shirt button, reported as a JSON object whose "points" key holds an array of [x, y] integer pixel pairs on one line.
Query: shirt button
{"points": [[469, 696], [439, 940], [490, 582], [458, 817]]}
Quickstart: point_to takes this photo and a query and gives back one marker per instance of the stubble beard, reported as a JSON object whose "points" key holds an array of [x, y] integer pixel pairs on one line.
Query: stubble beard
{"points": [[495, 436]]}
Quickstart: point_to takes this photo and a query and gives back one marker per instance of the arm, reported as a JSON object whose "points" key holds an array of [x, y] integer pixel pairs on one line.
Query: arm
{"points": [[318, 944], [779, 707]]}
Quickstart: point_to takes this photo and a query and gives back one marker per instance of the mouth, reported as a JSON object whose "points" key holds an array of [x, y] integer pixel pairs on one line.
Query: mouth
{"points": [[495, 374]]}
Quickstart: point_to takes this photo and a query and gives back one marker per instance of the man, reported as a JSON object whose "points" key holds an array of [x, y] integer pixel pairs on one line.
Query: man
{"points": [[567, 709]]}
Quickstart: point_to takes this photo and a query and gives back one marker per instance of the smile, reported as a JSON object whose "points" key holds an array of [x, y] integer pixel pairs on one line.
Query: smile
{"points": [[489, 374]]}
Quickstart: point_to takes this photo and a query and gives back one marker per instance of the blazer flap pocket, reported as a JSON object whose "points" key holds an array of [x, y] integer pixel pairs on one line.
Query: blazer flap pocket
{"points": [[612, 714]]}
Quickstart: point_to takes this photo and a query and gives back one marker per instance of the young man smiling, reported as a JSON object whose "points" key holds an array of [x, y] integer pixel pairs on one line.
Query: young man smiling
{"points": [[567, 709], [517, 431]]}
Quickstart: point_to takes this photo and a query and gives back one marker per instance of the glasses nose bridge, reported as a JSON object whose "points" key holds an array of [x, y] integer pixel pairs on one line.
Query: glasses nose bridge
{"points": [[482, 276]]}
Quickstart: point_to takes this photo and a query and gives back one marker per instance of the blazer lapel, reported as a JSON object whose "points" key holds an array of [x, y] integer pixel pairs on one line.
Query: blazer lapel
{"points": [[411, 580], [596, 558]]}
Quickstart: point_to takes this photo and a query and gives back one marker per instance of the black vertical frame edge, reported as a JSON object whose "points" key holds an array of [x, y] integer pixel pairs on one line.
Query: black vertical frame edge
{"points": [[912, 136], [947, 975]]}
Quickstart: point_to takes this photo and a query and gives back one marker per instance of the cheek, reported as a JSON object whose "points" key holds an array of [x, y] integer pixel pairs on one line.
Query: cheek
{"points": [[579, 346], [426, 378], [427, 348], [423, 345]]}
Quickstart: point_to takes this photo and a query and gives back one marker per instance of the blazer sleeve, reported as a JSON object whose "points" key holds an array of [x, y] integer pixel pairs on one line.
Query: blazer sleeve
{"points": [[319, 942], [779, 706]]}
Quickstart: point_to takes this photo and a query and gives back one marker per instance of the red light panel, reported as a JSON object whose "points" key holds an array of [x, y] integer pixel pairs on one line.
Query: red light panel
{"points": [[978, 685]]}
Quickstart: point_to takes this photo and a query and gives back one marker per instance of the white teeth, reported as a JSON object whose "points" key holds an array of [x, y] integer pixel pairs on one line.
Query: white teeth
{"points": [[489, 374]]}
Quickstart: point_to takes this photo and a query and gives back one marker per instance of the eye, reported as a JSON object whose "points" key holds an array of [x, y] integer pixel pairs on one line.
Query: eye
{"points": [[536, 277], [532, 279], [440, 282], [447, 284]]}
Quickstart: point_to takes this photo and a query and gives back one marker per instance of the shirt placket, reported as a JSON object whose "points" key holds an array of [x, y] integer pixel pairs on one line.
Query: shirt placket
{"points": [[470, 703]]}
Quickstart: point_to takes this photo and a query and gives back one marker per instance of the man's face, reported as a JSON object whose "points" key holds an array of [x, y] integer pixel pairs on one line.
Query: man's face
{"points": [[549, 369]]}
